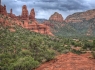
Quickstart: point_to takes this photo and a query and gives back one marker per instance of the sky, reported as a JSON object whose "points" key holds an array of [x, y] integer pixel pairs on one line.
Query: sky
{"points": [[45, 8]]}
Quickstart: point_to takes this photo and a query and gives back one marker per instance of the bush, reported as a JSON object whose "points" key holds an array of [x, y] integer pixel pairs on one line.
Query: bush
{"points": [[88, 45], [93, 51], [76, 51], [93, 54], [25, 63]]}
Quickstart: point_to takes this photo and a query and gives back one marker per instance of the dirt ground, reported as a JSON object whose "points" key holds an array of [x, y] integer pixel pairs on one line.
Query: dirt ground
{"points": [[70, 61]]}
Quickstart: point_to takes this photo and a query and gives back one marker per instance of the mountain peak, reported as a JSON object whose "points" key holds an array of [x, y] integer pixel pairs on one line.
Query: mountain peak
{"points": [[56, 17]]}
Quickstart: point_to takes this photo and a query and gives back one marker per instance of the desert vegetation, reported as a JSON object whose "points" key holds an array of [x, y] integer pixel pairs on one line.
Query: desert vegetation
{"points": [[25, 50]]}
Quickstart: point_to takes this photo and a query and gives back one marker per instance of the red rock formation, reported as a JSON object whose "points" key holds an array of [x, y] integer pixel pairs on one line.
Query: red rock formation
{"points": [[3, 9], [0, 2], [11, 14], [56, 17], [10, 11], [24, 14], [32, 15], [33, 25], [25, 20], [81, 16], [36, 27]]}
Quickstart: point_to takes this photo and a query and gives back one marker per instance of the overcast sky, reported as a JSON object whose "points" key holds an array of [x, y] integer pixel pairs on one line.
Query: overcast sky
{"points": [[44, 8]]}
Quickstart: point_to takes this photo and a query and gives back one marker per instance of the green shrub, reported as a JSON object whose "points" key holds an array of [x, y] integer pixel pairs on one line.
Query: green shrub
{"points": [[76, 51], [93, 54], [24, 63]]}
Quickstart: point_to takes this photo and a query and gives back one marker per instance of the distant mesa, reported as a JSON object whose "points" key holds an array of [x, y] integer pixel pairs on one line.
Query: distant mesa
{"points": [[56, 17], [25, 20]]}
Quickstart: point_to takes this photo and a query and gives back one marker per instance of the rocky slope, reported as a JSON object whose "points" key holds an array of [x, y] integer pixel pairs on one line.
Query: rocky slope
{"points": [[80, 16], [56, 17], [70, 61]]}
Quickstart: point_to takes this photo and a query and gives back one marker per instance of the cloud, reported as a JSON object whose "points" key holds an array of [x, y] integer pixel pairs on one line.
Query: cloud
{"points": [[44, 8]]}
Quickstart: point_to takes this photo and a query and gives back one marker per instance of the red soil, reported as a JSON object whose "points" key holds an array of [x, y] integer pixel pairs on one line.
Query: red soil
{"points": [[70, 61]]}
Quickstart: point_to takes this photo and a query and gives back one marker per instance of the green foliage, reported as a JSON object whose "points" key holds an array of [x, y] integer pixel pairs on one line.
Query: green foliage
{"points": [[93, 49], [16, 48], [24, 63], [88, 45], [93, 54], [94, 43], [78, 29], [76, 51], [22, 44]]}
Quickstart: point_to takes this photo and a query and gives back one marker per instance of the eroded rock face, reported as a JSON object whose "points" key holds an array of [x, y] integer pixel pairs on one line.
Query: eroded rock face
{"points": [[81, 16], [11, 14], [24, 14], [56, 17], [36, 27], [32, 15], [3, 10], [24, 20]]}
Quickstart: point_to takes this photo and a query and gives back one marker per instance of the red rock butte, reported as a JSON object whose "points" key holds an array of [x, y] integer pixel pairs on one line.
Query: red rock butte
{"points": [[56, 17], [25, 20]]}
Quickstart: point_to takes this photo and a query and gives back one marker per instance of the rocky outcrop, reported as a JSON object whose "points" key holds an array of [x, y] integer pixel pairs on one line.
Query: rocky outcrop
{"points": [[56, 17], [80, 16], [11, 14], [36, 27], [24, 20], [32, 15], [24, 14], [3, 9]]}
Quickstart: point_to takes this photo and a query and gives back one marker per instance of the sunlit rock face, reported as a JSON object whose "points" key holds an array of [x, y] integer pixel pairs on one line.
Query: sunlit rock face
{"points": [[24, 14], [80, 16], [32, 15], [56, 17], [3, 10]]}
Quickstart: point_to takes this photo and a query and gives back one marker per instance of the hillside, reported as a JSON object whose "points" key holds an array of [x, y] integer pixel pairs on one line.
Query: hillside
{"points": [[25, 50], [80, 16], [80, 24], [62, 29], [21, 49], [83, 22]]}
